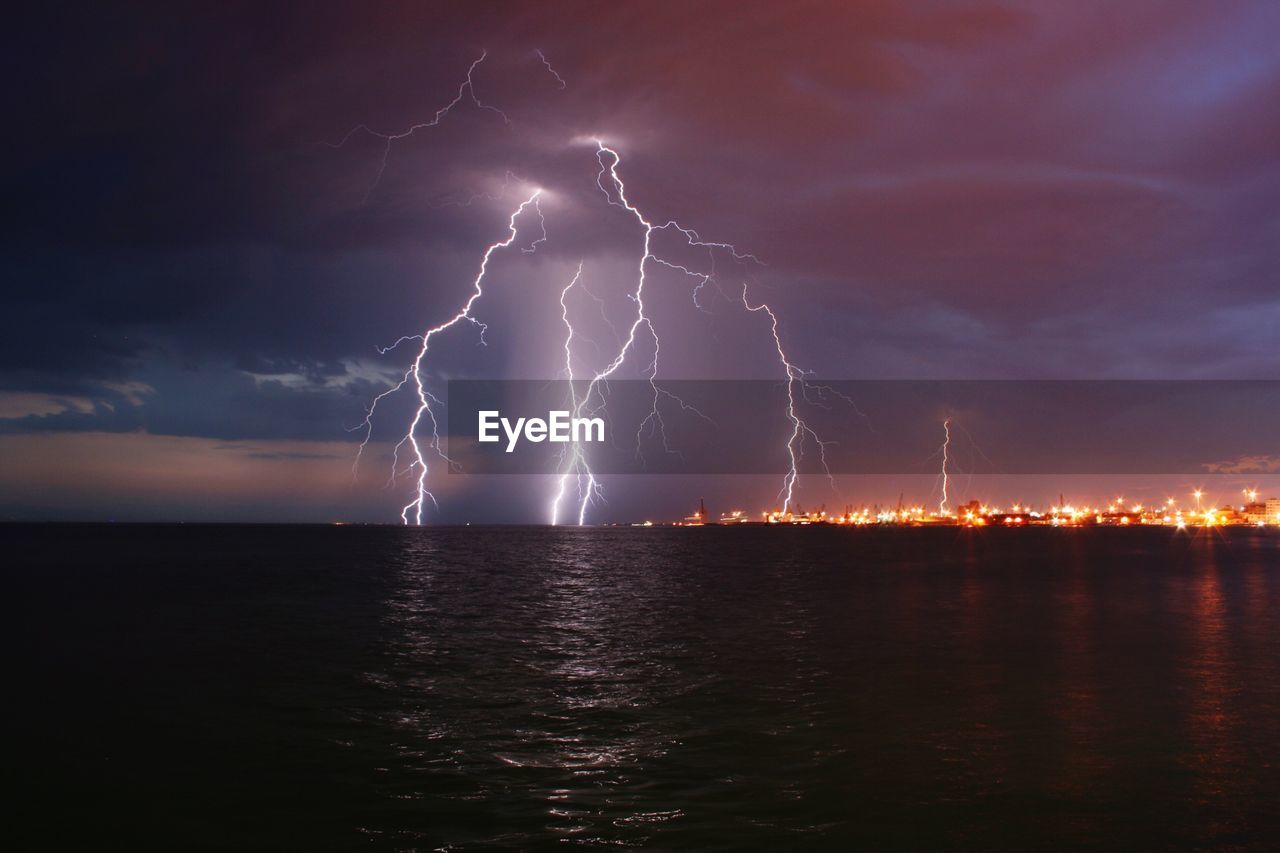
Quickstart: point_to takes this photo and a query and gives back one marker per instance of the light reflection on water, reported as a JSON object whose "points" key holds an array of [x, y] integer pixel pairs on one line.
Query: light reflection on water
{"points": [[611, 686], [713, 688]]}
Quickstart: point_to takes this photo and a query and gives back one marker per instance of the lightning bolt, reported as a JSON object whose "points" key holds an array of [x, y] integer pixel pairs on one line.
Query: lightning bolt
{"points": [[946, 444], [466, 89], [615, 195], [800, 431], [413, 376], [642, 321], [577, 467], [577, 463], [559, 80]]}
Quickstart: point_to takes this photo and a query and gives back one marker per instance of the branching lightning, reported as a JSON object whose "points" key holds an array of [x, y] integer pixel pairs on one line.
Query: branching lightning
{"points": [[587, 395], [614, 190], [414, 375], [799, 429], [577, 466], [466, 89], [507, 181]]}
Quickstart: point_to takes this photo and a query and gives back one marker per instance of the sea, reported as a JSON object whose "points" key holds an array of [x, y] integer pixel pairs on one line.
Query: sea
{"points": [[192, 687]]}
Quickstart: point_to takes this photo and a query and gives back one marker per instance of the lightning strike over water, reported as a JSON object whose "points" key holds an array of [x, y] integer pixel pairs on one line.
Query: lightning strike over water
{"points": [[640, 334], [577, 467], [946, 445], [577, 463], [799, 429], [425, 397], [615, 193]]}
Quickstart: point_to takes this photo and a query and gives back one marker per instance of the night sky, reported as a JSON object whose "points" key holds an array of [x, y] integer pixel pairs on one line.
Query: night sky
{"points": [[197, 280]]}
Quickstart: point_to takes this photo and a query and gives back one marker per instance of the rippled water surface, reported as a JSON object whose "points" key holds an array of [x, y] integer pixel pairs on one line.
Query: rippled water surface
{"points": [[316, 687]]}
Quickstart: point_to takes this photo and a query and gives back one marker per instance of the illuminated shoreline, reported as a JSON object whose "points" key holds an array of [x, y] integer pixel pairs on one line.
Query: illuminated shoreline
{"points": [[1253, 512]]}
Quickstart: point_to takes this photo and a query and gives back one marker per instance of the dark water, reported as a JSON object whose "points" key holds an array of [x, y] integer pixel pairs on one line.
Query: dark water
{"points": [[194, 687]]}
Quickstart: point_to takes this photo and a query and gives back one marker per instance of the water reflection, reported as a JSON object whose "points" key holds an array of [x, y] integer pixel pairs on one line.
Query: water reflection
{"points": [[1215, 757], [588, 652], [671, 688], [551, 702], [1079, 710]]}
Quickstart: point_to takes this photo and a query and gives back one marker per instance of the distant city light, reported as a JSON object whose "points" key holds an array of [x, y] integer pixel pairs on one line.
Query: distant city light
{"points": [[977, 514]]}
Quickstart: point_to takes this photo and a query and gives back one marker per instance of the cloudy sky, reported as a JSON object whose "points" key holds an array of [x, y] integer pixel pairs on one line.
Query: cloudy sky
{"points": [[198, 278]]}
